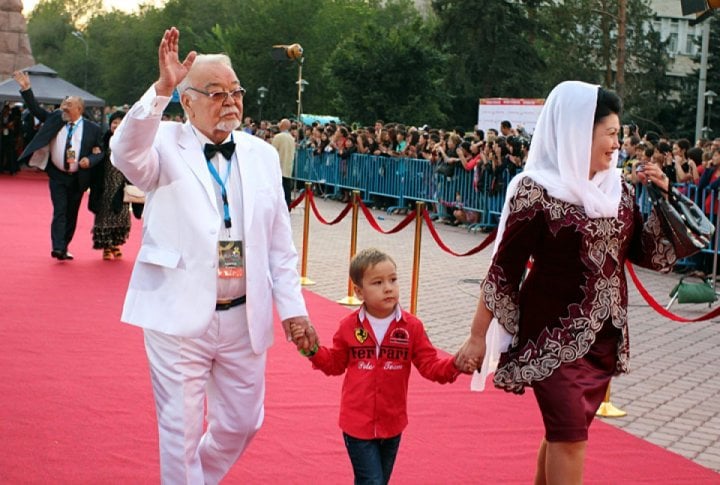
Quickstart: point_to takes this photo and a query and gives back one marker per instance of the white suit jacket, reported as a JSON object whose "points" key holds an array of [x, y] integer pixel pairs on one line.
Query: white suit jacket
{"points": [[173, 288]]}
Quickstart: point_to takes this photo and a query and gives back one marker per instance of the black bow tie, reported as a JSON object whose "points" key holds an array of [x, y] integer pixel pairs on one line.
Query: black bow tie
{"points": [[226, 149]]}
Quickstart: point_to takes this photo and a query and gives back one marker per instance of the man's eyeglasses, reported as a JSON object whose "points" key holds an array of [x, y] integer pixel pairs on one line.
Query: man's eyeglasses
{"points": [[221, 96]]}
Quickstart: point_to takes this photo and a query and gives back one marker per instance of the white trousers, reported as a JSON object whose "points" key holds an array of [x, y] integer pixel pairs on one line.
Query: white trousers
{"points": [[220, 367]]}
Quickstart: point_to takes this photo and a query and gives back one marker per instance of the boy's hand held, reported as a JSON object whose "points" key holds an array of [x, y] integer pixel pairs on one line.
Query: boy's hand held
{"points": [[301, 333]]}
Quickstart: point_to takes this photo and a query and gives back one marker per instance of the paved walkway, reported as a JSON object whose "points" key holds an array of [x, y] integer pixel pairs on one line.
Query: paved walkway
{"points": [[671, 395]]}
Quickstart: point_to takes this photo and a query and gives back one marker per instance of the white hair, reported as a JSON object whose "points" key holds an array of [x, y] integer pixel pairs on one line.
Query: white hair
{"points": [[202, 61]]}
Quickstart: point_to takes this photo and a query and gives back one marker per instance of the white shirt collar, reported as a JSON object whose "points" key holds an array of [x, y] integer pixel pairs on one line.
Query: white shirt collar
{"points": [[204, 139], [363, 314]]}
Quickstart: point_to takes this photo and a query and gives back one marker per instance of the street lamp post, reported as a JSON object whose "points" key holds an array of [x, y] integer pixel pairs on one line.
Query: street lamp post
{"points": [[293, 52], [710, 97], [301, 88], [87, 53], [702, 79], [262, 92]]}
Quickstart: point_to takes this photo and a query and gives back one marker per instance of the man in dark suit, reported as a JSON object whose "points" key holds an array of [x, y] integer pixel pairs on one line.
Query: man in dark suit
{"points": [[67, 147]]}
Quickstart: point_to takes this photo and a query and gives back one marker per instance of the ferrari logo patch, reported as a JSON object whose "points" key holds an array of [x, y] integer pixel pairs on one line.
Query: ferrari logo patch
{"points": [[361, 335]]}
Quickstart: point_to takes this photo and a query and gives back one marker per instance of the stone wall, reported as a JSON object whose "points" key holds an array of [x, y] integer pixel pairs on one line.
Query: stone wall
{"points": [[15, 51]]}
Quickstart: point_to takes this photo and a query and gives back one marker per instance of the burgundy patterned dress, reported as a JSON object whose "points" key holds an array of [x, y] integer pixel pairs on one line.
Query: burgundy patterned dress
{"points": [[568, 319]]}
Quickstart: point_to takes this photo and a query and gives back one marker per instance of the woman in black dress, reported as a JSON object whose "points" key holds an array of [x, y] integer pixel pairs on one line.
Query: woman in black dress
{"points": [[112, 215]]}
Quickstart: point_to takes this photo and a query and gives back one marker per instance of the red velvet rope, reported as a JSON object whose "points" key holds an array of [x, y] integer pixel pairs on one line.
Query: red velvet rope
{"points": [[489, 239], [320, 218], [297, 201], [371, 219], [659, 308]]}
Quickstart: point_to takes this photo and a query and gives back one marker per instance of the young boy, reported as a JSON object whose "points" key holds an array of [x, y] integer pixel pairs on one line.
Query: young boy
{"points": [[374, 346]]}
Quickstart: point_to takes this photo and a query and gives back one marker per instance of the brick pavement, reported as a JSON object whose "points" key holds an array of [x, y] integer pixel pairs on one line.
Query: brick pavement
{"points": [[672, 393]]}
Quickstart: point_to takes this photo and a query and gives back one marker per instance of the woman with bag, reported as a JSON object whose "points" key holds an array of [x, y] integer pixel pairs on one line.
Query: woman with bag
{"points": [[571, 214], [112, 213]]}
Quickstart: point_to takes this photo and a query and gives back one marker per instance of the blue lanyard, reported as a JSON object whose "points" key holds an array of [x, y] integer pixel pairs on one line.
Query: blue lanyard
{"points": [[223, 190]]}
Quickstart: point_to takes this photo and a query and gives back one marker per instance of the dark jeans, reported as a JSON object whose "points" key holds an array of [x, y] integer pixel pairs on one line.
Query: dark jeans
{"points": [[372, 460]]}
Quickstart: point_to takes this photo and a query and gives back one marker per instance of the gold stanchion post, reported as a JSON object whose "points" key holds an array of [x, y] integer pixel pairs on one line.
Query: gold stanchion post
{"points": [[607, 410], [419, 208], [351, 299], [304, 280]]}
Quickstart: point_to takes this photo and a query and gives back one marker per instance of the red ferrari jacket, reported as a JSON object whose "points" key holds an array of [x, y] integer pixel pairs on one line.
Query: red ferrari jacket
{"points": [[374, 393]]}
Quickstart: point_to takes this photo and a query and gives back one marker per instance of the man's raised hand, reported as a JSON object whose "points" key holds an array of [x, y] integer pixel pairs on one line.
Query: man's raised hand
{"points": [[172, 71], [23, 79]]}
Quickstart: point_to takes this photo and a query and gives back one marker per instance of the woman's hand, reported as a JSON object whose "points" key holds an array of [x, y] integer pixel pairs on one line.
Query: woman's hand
{"points": [[470, 356], [651, 172]]}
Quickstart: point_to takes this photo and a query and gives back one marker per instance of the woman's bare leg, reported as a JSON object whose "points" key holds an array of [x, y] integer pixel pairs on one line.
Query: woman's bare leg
{"points": [[564, 462], [540, 469]]}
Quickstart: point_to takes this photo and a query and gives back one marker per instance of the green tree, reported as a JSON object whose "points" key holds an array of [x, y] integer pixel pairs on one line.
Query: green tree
{"points": [[579, 41], [368, 59], [491, 52], [570, 43], [59, 32], [392, 75], [648, 89], [125, 54], [48, 27], [318, 26]]}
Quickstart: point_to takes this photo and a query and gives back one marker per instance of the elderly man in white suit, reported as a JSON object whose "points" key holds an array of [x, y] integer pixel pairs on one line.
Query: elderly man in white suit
{"points": [[216, 253]]}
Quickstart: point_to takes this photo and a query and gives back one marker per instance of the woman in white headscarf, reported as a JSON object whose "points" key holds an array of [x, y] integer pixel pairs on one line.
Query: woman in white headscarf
{"points": [[563, 332]]}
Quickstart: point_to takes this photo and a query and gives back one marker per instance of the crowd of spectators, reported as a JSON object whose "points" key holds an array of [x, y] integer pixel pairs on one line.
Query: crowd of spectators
{"points": [[486, 154], [488, 159], [694, 169], [491, 157], [16, 130], [684, 163]]}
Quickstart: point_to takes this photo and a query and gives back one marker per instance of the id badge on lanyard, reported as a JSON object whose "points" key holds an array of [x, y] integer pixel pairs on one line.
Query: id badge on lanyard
{"points": [[231, 259], [231, 253]]}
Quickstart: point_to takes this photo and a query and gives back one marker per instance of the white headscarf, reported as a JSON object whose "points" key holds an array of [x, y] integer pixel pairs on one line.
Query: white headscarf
{"points": [[559, 160], [559, 157]]}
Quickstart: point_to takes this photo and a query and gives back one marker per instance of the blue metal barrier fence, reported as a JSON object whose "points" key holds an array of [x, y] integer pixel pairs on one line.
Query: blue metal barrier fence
{"points": [[399, 182]]}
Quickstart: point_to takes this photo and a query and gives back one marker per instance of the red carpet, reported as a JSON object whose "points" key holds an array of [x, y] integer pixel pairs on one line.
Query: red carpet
{"points": [[76, 405]]}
